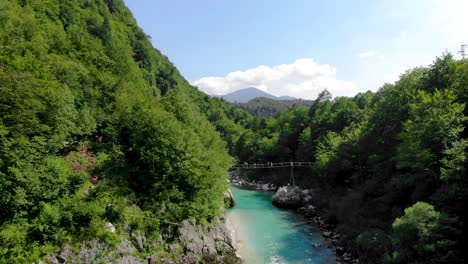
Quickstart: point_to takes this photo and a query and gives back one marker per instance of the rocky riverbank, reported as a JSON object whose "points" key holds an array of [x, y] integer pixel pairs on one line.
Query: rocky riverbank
{"points": [[303, 201], [186, 243], [236, 179], [193, 244]]}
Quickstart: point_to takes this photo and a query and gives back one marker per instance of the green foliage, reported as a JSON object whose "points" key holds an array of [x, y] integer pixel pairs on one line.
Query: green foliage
{"points": [[265, 107], [173, 156], [86, 96], [376, 154], [454, 161], [26, 187], [12, 238], [435, 122], [412, 233], [441, 74], [327, 150], [371, 244]]}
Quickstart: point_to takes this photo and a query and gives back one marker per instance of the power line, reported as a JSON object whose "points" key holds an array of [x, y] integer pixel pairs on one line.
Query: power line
{"points": [[462, 51]]}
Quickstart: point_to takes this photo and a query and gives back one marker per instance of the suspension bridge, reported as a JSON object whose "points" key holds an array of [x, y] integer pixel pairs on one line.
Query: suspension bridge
{"points": [[274, 165]]}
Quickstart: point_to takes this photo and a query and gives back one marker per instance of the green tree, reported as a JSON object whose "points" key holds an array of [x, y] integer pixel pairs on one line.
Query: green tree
{"points": [[412, 232], [435, 123]]}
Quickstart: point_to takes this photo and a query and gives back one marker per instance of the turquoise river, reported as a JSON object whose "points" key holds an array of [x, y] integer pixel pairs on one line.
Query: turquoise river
{"points": [[267, 234]]}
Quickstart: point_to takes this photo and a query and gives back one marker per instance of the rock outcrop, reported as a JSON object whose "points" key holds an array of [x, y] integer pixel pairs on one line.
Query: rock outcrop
{"points": [[236, 179], [259, 186], [213, 244], [229, 199], [288, 197], [193, 244], [309, 210]]}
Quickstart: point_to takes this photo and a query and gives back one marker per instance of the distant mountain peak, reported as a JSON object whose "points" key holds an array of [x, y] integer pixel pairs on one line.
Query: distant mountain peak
{"points": [[285, 97], [249, 93], [249, 88]]}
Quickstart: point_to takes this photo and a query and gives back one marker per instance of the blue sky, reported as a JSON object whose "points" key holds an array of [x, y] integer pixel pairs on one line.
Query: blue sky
{"points": [[300, 47]]}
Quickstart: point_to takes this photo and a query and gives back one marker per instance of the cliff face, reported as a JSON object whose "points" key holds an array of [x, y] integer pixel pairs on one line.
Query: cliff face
{"points": [[189, 243]]}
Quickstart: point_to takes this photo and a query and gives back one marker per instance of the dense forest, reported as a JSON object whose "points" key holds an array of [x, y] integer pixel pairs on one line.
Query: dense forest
{"points": [[97, 125], [266, 107], [389, 167]]}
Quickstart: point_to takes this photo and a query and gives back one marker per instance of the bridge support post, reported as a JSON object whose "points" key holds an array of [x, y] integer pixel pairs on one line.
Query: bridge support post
{"points": [[292, 174]]}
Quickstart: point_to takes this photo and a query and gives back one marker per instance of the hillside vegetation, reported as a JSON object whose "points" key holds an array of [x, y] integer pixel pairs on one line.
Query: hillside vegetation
{"points": [[266, 107], [389, 167], [96, 126]]}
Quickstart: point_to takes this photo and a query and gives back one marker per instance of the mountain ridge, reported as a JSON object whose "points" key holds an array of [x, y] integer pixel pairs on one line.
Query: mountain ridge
{"points": [[246, 94]]}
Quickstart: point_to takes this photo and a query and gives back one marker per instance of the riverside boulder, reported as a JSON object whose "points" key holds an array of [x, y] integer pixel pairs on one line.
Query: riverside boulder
{"points": [[229, 199], [288, 197]]}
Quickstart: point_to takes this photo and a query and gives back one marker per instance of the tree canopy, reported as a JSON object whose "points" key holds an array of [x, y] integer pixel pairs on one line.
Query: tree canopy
{"points": [[386, 163], [95, 123]]}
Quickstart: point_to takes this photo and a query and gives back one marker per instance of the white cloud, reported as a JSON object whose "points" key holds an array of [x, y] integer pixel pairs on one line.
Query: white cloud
{"points": [[367, 54], [304, 78]]}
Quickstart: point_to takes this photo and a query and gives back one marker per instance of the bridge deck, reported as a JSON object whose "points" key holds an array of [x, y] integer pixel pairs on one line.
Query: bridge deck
{"points": [[272, 165]]}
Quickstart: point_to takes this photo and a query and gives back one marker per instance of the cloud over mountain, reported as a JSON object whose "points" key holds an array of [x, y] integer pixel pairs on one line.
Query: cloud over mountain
{"points": [[304, 78]]}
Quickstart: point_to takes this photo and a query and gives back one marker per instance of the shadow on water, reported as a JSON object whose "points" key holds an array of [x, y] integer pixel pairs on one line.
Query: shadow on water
{"points": [[304, 236], [275, 235]]}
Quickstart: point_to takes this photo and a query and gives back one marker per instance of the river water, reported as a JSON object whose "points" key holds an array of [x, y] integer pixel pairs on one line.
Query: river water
{"points": [[271, 235]]}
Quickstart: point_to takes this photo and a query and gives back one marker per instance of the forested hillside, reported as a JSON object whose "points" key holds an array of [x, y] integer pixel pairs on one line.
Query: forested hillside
{"points": [[96, 126], [266, 107], [389, 167]]}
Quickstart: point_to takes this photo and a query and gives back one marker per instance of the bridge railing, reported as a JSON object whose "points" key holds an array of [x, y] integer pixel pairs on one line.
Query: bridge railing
{"points": [[272, 165]]}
